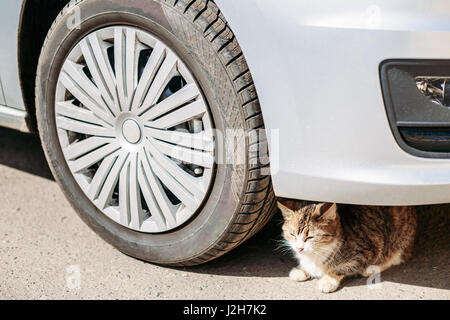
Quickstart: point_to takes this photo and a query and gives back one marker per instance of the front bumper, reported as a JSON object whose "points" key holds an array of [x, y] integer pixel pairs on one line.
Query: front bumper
{"points": [[316, 69]]}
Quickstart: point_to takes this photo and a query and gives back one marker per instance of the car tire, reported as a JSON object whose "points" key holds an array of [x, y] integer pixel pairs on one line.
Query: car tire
{"points": [[240, 200]]}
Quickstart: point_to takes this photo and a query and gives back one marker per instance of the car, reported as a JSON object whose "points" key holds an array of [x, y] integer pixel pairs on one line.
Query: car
{"points": [[172, 126]]}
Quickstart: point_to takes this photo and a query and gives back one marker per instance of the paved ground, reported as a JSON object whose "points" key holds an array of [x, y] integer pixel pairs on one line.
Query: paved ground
{"points": [[43, 242]]}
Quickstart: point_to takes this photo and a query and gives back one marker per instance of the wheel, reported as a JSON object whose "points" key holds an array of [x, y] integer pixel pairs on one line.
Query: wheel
{"points": [[151, 125]]}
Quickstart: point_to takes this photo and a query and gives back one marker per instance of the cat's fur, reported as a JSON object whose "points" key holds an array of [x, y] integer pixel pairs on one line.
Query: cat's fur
{"points": [[335, 241]]}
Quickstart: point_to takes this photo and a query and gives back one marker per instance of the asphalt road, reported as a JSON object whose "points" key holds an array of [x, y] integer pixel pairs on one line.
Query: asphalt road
{"points": [[46, 252]]}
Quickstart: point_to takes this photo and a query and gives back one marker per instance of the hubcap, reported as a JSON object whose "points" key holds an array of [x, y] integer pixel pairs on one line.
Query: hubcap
{"points": [[131, 131], [135, 129]]}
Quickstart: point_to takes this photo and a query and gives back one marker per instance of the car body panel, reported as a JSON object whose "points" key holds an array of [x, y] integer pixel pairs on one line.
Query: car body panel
{"points": [[316, 69], [13, 118], [9, 69], [2, 95]]}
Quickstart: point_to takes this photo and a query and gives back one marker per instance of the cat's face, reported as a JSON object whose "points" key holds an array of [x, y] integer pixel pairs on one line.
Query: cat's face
{"points": [[310, 227]]}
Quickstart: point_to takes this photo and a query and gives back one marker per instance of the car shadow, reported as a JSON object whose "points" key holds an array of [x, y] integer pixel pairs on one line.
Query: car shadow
{"points": [[23, 152], [430, 264], [263, 255]]}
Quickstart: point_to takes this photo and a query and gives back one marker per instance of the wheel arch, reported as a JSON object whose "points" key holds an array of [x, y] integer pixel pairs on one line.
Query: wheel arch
{"points": [[36, 18]]}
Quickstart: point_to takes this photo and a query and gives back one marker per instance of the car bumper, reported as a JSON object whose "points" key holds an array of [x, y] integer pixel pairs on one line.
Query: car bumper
{"points": [[316, 69]]}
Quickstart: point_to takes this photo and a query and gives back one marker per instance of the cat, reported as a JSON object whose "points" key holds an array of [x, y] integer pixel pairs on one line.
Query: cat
{"points": [[334, 241]]}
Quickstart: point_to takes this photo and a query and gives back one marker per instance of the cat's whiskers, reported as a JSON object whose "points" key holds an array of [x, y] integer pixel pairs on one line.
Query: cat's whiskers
{"points": [[283, 246]]}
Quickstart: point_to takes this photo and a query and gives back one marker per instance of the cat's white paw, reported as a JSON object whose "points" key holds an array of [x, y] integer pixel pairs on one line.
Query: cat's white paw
{"points": [[298, 275], [328, 284]]}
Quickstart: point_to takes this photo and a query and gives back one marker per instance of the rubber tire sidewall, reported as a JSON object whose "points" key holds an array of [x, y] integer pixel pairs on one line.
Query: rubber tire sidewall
{"points": [[211, 223]]}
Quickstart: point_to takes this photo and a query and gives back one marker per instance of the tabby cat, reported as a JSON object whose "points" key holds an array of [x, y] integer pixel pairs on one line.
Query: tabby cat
{"points": [[334, 241]]}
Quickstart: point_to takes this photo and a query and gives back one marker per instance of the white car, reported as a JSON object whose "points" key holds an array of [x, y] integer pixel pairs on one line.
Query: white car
{"points": [[159, 118]]}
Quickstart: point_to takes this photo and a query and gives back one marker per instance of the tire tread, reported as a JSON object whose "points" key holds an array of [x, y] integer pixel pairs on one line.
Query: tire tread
{"points": [[258, 203]]}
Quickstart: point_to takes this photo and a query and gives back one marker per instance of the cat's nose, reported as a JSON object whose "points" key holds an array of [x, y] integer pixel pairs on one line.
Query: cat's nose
{"points": [[300, 249]]}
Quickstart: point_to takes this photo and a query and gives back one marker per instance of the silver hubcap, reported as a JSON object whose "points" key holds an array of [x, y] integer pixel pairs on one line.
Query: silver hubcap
{"points": [[134, 129], [131, 131]]}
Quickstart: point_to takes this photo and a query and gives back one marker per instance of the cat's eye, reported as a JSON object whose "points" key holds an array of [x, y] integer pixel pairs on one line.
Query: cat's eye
{"points": [[309, 238]]}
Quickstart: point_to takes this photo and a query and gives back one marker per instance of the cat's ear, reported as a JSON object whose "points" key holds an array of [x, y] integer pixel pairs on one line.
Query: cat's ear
{"points": [[328, 211], [285, 206]]}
